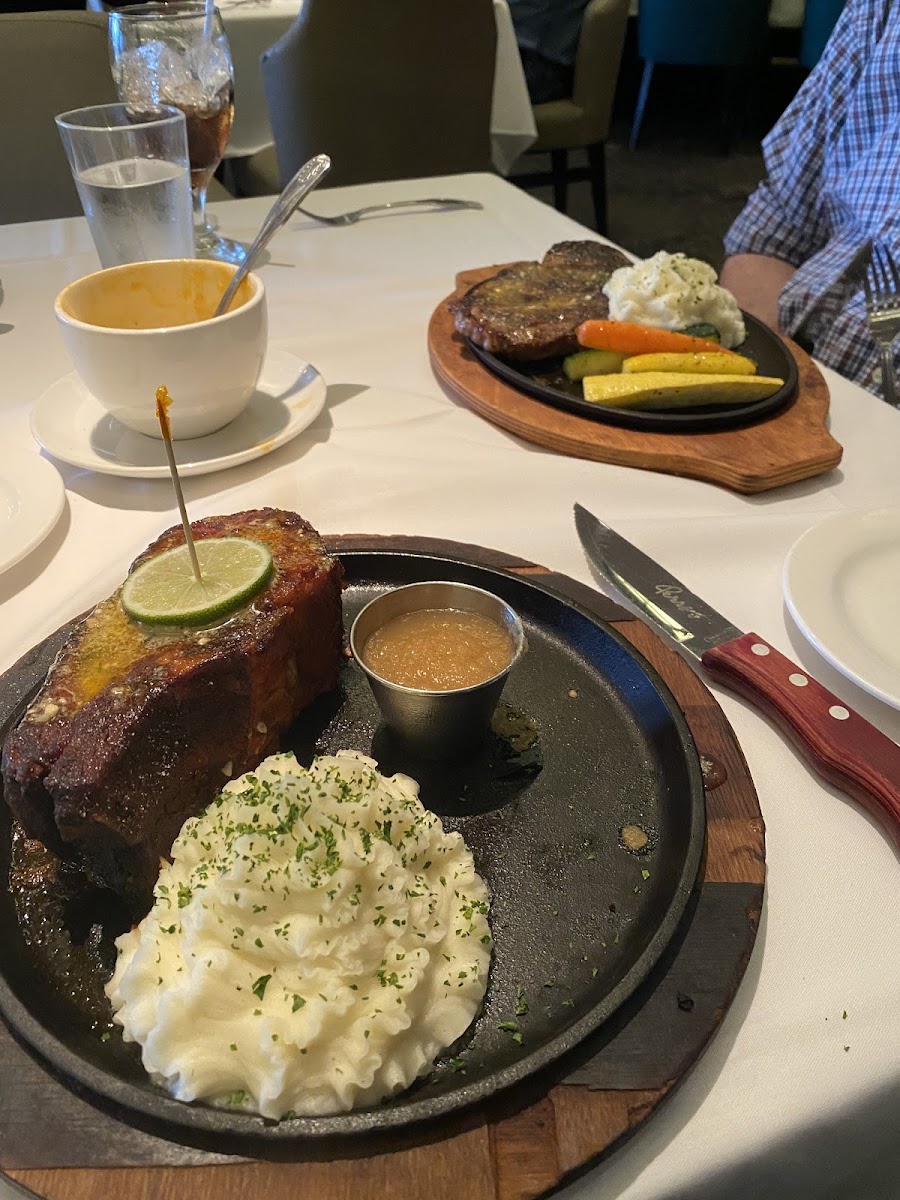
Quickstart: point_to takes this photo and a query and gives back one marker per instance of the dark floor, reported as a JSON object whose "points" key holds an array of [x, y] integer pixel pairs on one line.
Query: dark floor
{"points": [[679, 190]]}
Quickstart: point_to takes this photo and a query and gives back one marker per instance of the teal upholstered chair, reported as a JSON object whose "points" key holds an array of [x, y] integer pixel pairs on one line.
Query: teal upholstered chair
{"points": [[730, 34], [819, 19]]}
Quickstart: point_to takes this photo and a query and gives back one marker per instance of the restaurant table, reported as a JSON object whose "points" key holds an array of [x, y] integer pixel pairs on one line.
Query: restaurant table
{"points": [[798, 1095], [254, 25]]}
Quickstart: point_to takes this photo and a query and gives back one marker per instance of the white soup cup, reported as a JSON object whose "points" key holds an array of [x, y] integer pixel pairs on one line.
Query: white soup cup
{"points": [[131, 328]]}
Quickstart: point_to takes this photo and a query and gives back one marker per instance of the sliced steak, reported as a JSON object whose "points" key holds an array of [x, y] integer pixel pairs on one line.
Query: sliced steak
{"points": [[531, 310], [137, 729]]}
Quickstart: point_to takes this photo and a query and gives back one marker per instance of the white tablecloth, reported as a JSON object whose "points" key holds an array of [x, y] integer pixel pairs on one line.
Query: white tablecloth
{"points": [[254, 25], [777, 1108]]}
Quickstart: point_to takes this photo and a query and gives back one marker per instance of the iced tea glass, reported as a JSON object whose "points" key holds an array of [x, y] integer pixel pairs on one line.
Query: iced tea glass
{"points": [[177, 54]]}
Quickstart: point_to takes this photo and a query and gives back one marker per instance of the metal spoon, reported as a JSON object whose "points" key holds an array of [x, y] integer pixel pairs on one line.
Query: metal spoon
{"points": [[303, 182]]}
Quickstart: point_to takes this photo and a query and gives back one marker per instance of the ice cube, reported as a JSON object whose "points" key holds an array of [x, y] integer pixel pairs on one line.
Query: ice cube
{"points": [[210, 64], [151, 73]]}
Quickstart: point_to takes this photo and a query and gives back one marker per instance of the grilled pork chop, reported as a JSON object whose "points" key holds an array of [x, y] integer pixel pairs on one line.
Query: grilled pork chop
{"points": [[531, 310], [136, 728]]}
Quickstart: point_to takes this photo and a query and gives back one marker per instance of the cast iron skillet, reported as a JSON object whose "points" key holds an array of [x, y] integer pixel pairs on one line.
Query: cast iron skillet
{"points": [[578, 921], [546, 381]]}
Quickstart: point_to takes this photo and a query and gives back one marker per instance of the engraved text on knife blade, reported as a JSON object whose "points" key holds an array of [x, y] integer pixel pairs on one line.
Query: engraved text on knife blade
{"points": [[717, 630], [672, 593], [675, 630]]}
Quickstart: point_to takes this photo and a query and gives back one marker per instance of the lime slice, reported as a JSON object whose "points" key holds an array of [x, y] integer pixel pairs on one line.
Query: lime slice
{"points": [[163, 590]]}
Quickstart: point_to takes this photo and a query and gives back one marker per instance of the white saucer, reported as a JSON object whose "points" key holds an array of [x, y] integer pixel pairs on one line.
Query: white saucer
{"points": [[73, 426], [32, 497], [841, 584]]}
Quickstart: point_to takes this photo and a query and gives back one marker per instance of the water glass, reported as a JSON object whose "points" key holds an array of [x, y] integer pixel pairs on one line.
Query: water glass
{"points": [[131, 170]]}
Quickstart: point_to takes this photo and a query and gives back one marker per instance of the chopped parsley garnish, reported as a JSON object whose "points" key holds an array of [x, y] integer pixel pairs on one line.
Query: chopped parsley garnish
{"points": [[512, 1028], [259, 987], [383, 830]]}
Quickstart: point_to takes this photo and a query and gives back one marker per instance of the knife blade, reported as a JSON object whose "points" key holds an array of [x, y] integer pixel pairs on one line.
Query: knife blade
{"points": [[840, 745]]}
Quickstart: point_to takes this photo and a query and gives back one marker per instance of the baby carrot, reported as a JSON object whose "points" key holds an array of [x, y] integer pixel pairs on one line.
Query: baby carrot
{"points": [[630, 338]]}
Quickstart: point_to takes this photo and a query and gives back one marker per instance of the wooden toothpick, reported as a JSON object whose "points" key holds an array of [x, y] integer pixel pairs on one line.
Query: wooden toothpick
{"points": [[163, 400]]}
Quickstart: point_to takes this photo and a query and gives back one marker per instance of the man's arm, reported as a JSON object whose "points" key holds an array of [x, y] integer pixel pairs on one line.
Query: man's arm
{"points": [[784, 222], [755, 281]]}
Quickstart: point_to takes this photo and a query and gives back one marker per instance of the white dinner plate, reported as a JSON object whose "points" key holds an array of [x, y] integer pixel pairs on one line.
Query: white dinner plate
{"points": [[72, 425], [842, 584], [32, 497]]}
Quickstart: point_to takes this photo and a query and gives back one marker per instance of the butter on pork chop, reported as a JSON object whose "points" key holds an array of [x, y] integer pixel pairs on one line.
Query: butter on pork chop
{"points": [[138, 728], [532, 310]]}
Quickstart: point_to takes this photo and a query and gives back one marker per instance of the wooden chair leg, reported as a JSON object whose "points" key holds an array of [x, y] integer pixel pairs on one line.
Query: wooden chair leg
{"points": [[559, 162], [643, 92], [597, 164]]}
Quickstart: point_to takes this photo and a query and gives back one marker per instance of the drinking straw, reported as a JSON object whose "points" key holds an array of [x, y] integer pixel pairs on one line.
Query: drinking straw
{"points": [[208, 19]]}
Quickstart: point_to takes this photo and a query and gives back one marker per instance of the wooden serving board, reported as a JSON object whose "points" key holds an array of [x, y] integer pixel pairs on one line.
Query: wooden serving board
{"points": [[792, 444], [66, 1145]]}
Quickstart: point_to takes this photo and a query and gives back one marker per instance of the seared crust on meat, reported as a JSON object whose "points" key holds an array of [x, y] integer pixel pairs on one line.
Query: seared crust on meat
{"points": [[138, 728], [532, 310]]}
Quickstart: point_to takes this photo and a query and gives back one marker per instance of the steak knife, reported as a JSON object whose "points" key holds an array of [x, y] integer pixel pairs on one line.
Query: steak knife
{"points": [[840, 745]]}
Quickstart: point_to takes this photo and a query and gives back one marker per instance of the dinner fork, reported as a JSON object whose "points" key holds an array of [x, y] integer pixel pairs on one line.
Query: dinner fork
{"points": [[350, 218], [881, 283]]}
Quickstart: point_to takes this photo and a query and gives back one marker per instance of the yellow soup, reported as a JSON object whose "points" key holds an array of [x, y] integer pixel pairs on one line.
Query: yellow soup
{"points": [[152, 295]]}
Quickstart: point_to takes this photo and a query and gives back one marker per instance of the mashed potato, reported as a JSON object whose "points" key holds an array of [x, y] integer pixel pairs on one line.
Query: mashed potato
{"points": [[315, 943], [671, 291]]}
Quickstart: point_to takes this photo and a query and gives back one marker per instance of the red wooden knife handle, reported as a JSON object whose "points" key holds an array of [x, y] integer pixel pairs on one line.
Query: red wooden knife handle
{"points": [[840, 744]]}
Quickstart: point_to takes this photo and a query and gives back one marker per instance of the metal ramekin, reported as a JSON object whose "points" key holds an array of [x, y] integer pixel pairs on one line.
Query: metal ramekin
{"points": [[441, 724]]}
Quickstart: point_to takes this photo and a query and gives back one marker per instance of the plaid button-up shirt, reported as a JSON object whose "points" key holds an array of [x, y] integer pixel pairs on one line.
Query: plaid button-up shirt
{"points": [[833, 187]]}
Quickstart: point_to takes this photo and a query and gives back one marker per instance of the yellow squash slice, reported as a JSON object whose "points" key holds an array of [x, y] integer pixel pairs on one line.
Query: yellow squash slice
{"points": [[592, 362], [705, 362], [671, 389]]}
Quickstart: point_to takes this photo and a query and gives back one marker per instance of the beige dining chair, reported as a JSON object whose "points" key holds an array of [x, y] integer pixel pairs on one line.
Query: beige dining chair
{"points": [[49, 62], [582, 120], [391, 90]]}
